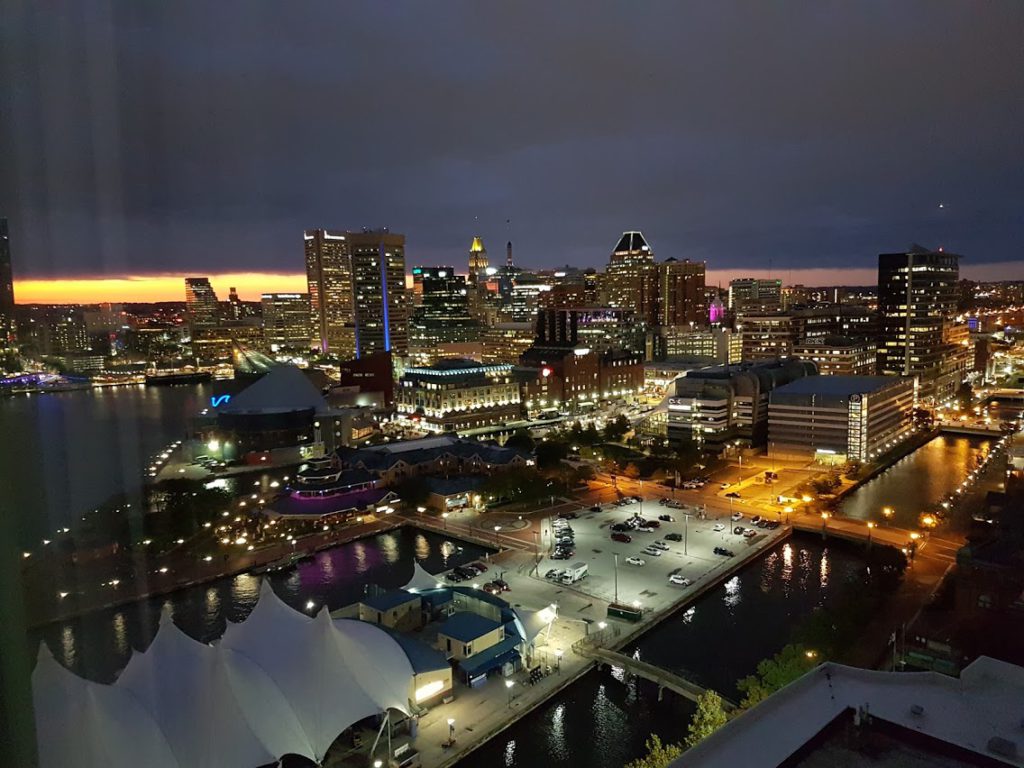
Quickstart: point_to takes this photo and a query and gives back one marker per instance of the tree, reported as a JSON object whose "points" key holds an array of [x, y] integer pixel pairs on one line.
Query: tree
{"points": [[550, 453], [520, 439], [632, 471], [775, 673], [658, 755], [965, 396], [709, 717], [615, 429]]}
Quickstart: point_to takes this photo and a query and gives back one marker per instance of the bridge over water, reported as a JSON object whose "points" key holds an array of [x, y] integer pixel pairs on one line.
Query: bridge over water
{"points": [[661, 677]]}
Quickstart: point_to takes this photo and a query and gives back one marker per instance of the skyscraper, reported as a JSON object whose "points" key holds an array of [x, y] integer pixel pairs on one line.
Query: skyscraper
{"points": [[630, 280], [917, 294], [201, 304], [443, 315], [8, 329], [752, 294], [357, 291], [478, 262]]}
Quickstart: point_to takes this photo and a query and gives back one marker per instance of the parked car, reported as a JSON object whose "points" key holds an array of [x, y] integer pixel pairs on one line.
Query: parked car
{"points": [[502, 585], [724, 552], [659, 545], [623, 537], [673, 537], [644, 529], [553, 574], [755, 519], [737, 516], [557, 555], [621, 527], [679, 581], [664, 500], [634, 560], [480, 567], [666, 518], [718, 527], [723, 486], [454, 577], [638, 498], [596, 508], [749, 534], [652, 551], [653, 524], [732, 495], [567, 515], [491, 588], [738, 530]]}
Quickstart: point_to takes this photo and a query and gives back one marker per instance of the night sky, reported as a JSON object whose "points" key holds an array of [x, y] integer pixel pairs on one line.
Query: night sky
{"points": [[202, 137]]}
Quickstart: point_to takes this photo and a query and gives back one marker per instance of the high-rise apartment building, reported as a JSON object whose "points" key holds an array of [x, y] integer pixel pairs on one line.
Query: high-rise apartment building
{"points": [[357, 293], [681, 293], [286, 322], [478, 262], [8, 325], [917, 300], [752, 294], [201, 305]]}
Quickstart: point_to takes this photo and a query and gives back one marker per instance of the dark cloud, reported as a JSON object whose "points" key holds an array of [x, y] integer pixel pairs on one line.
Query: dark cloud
{"points": [[205, 136]]}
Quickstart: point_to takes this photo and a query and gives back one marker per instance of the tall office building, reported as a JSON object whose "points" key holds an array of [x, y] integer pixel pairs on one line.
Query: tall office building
{"points": [[630, 280], [478, 262], [286, 322], [681, 293], [917, 295], [443, 314], [8, 326], [752, 294], [357, 291], [201, 305]]}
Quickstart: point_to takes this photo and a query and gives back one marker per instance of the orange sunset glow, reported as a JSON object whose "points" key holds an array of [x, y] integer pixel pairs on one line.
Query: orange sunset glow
{"points": [[145, 288]]}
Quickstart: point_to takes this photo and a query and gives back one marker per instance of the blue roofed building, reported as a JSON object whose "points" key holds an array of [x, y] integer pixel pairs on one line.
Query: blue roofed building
{"points": [[394, 609]]}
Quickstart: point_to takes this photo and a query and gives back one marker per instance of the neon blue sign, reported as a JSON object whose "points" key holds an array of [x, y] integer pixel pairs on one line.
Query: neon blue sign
{"points": [[219, 400]]}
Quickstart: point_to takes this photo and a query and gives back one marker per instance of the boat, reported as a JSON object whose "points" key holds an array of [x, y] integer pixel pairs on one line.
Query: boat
{"points": [[166, 379], [281, 564]]}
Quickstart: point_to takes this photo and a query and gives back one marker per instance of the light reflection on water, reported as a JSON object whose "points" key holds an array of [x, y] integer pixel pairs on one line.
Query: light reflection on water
{"points": [[99, 644], [607, 716]]}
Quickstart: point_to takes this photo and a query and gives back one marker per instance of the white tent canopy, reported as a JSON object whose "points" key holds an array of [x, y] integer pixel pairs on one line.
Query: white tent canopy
{"points": [[421, 580], [278, 683]]}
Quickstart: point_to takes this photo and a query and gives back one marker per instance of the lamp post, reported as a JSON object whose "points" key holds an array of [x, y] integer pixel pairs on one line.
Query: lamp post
{"points": [[497, 546], [444, 516], [870, 526], [616, 556], [508, 685], [558, 659], [887, 513], [451, 731], [824, 524], [686, 531]]}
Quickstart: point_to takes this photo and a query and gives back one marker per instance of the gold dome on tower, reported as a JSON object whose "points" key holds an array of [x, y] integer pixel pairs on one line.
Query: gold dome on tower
{"points": [[478, 245]]}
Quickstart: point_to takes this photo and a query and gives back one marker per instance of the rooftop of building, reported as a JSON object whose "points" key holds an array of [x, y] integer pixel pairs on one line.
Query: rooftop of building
{"points": [[386, 601], [380, 457], [632, 241], [446, 486], [975, 718], [465, 626], [283, 388], [836, 386]]}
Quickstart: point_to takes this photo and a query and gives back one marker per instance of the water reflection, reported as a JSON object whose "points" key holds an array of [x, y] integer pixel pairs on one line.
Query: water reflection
{"points": [[67, 647], [732, 592], [422, 547], [120, 634], [510, 753], [689, 613]]}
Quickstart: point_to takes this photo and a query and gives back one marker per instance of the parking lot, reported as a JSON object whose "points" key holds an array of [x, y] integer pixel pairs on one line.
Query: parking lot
{"points": [[648, 584]]}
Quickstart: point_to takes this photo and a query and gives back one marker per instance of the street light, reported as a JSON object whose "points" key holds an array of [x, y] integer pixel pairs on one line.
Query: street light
{"points": [[887, 513], [558, 657], [824, 523], [616, 556], [509, 684], [451, 731], [444, 516], [496, 544], [870, 526]]}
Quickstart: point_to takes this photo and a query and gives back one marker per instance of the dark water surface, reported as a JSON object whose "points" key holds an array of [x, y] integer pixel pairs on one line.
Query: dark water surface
{"points": [[603, 720]]}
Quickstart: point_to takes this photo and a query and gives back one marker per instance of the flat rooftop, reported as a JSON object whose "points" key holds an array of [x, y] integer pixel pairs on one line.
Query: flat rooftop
{"points": [[836, 386]]}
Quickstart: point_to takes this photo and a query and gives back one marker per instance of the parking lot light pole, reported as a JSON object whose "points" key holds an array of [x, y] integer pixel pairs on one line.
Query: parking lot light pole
{"points": [[616, 556], [686, 531]]}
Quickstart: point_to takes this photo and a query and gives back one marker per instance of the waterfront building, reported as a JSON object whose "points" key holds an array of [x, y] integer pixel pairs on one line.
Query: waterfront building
{"points": [[436, 455], [727, 405], [839, 355], [201, 306], [681, 298], [838, 715], [505, 342], [766, 336], [630, 281], [278, 418], [8, 321], [185, 703], [357, 293], [458, 394], [917, 304], [836, 419], [286, 322], [712, 345], [53, 330], [756, 295]]}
